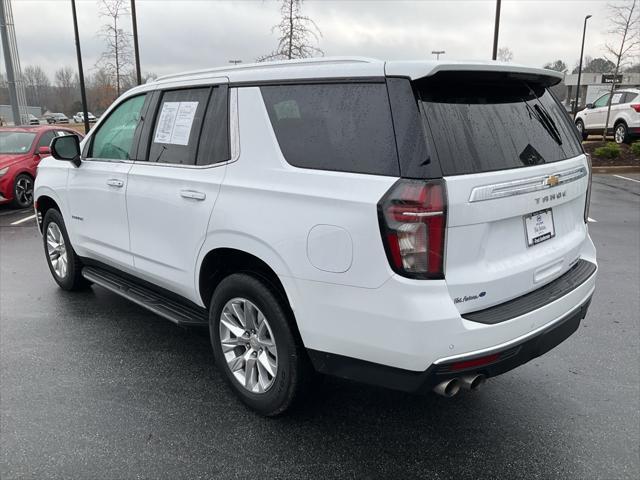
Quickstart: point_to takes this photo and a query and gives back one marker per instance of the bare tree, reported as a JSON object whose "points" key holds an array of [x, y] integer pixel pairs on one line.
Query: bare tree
{"points": [[116, 60], [130, 79], [66, 83], [37, 85], [297, 32], [624, 18], [505, 54], [595, 65]]}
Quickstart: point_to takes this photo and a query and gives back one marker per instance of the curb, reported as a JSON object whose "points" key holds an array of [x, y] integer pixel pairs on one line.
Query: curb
{"points": [[623, 169]]}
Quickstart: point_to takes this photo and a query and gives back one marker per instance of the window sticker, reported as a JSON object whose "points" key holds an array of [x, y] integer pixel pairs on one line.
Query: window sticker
{"points": [[616, 98], [174, 124]]}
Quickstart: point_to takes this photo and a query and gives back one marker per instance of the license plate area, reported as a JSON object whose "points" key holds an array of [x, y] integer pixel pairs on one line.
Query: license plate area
{"points": [[539, 227]]}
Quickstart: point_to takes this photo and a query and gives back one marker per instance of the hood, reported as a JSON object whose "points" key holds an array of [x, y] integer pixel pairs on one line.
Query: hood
{"points": [[7, 159]]}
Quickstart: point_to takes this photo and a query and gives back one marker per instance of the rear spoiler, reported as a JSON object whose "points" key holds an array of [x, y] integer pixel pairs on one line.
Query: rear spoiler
{"points": [[421, 69]]}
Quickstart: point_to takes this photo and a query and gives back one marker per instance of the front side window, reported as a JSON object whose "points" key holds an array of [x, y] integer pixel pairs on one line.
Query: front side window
{"points": [[602, 101], [114, 138], [335, 126], [45, 139]]}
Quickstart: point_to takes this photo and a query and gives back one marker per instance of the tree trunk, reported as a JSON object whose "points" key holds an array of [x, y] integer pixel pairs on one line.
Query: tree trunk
{"points": [[615, 74], [115, 25]]}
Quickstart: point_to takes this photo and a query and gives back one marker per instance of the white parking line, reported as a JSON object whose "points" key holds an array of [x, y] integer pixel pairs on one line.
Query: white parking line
{"points": [[26, 219], [592, 220], [627, 178]]}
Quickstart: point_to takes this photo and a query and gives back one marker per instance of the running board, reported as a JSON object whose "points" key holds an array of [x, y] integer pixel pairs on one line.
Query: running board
{"points": [[179, 313]]}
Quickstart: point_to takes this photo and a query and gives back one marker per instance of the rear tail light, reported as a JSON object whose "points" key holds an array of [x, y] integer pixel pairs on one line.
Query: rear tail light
{"points": [[636, 107], [587, 201], [412, 217]]}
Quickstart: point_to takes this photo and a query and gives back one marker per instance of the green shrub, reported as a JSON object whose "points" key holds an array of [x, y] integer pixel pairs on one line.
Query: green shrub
{"points": [[635, 149], [610, 150]]}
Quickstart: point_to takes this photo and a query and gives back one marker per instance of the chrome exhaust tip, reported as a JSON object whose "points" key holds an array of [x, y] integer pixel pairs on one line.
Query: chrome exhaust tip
{"points": [[472, 382], [448, 388]]}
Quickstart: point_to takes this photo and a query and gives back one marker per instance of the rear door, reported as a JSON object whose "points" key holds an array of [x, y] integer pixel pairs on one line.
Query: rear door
{"points": [[516, 180], [175, 181]]}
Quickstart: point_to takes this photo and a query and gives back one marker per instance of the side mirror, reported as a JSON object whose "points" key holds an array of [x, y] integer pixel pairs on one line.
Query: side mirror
{"points": [[44, 151], [66, 148], [589, 105]]}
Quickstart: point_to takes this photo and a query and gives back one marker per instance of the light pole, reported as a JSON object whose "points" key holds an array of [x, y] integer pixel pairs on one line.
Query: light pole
{"points": [[83, 93], [437, 53], [496, 29], [584, 32], [136, 50]]}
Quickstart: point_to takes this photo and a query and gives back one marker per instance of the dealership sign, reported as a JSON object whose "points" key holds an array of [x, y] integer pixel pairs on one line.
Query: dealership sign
{"points": [[609, 78]]}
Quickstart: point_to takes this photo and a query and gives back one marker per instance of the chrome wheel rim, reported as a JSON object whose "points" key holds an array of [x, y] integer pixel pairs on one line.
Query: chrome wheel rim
{"points": [[579, 127], [248, 345], [620, 134], [57, 250], [24, 191]]}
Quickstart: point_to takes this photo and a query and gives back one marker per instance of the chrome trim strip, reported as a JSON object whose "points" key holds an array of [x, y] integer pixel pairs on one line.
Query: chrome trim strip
{"points": [[423, 214], [526, 185]]}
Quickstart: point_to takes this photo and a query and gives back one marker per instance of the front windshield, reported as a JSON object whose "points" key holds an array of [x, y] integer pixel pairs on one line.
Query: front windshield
{"points": [[16, 142]]}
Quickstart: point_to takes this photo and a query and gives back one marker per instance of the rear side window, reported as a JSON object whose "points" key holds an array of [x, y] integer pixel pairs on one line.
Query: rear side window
{"points": [[343, 127], [484, 125], [177, 127]]}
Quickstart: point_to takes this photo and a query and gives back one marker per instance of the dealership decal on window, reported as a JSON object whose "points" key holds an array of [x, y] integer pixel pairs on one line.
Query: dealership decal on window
{"points": [[174, 124]]}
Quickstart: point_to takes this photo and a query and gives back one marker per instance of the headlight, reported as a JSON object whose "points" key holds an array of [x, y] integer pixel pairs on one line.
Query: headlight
{"points": [[4, 171]]}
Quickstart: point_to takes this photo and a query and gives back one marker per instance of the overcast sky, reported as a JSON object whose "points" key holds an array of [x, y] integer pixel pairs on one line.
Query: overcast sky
{"points": [[178, 35]]}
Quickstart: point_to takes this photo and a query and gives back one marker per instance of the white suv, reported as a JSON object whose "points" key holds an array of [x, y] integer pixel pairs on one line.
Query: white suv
{"points": [[624, 119], [416, 225]]}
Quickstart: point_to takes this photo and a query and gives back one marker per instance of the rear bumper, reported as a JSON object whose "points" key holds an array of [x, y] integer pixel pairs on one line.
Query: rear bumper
{"points": [[502, 359]]}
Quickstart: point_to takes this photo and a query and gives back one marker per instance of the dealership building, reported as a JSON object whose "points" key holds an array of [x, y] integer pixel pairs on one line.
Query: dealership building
{"points": [[594, 85]]}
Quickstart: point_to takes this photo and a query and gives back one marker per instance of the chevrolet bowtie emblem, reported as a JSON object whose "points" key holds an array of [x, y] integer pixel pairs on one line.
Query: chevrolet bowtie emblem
{"points": [[553, 180]]}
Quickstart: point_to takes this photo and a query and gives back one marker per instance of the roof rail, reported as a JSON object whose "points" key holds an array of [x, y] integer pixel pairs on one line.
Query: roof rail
{"points": [[275, 64]]}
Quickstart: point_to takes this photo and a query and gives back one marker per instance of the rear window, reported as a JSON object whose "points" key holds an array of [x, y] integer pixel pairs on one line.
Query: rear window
{"points": [[342, 127], [484, 125]]}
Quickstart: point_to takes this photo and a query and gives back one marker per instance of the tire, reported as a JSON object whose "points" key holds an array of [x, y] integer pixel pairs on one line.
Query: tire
{"points": [[23, 191], [241, 295], [581, 130], [621, 133], [64, 264]]}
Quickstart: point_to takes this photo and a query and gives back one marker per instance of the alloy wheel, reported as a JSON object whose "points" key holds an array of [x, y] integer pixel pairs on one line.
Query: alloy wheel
{"points": [[620, 133], [248, 345], [57, 250], [24, 191]]}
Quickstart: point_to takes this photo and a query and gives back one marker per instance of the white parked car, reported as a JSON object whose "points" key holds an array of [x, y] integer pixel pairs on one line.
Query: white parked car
{"points": [[624, 119], [416, 225], [79, 117]]}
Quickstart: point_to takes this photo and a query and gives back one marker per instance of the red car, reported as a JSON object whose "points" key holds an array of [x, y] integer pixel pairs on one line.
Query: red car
{"points": [[21, 149]]}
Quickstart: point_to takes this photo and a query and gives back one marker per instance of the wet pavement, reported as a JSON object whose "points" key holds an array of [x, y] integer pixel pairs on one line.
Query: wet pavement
{"points": [[92, 386]]}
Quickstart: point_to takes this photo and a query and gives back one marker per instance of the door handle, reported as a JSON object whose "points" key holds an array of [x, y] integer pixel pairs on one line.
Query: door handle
{"points": [[114, 182], [193, 194]]}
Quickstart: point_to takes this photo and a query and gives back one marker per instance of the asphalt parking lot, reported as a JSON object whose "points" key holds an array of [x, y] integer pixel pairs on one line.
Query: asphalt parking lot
{"points": [[92, 386]]}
